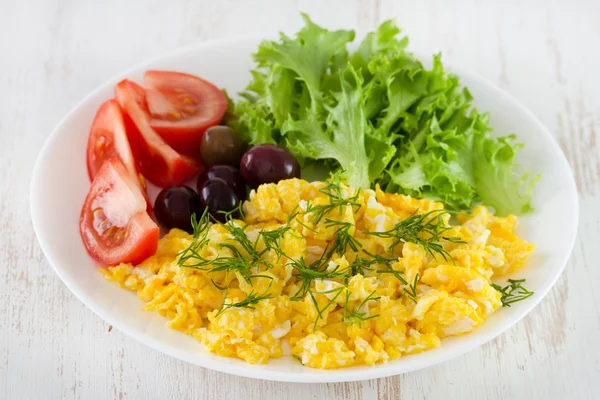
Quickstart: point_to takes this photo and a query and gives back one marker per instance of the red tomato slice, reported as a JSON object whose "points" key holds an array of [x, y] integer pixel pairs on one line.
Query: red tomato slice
{"points": [[108, 139], [158, 162], [182, 107], [114, 224]]}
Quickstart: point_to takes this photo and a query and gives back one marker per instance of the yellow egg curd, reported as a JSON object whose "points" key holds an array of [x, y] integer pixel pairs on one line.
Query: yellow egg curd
{"points": [[331, 275]]}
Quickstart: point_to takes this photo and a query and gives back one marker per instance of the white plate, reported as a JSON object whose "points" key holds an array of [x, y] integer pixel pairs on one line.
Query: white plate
{"points": [[60, 183]]}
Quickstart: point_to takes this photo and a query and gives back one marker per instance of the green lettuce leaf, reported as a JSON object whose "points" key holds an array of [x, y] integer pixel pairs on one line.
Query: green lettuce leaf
{"points": [[342, 137], [382, 40], [254, 123], [496, 181], [309, 55], [280, 92], [378, 116]]}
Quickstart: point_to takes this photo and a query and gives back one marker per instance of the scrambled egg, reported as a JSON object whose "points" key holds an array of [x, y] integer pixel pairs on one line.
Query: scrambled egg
{"points": [[339, 321]]}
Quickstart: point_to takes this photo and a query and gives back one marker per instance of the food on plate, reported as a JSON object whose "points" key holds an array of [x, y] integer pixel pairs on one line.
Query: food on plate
{"points": [[221, 145], [114, 224], [380, 116], [229, 174], [268, 163], [158, 161], [341, 276], [123, 141], [182, 107], [218, 197], [394, 252], [174, 207]]}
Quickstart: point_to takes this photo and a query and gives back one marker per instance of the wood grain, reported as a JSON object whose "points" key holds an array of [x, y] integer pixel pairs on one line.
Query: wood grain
{"points": [[54, 52]]}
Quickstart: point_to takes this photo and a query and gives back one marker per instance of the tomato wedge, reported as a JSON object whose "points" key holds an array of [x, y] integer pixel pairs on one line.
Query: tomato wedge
{"points": [[158, 162], [182, 107], [114, 224], [108, 139]]}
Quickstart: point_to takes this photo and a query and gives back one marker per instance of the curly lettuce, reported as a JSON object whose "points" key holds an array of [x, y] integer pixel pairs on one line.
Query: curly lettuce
{"points": [[379, 117]]}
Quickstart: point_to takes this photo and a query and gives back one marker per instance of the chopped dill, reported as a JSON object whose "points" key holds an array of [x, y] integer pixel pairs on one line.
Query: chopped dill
{"points": [[216, 285], [320, 311], [200, 226], [250, 301], [343, 238], [238, 212], [239, 262], [298, 358], [200, 234], [411, 290], [241, 237], [333, 190], [513, 292], [357, 315], [249, 257], [272, 239], [359, 265], [425, 229], [318, 269]]}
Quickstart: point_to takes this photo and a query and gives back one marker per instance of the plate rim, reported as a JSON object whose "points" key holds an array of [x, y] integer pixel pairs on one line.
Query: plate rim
{"points": [[314, 376]]}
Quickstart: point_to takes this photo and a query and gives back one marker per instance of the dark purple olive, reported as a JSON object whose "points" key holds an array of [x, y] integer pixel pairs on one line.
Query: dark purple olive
{"points": [[216, 195], [229, 174], [174, 207], [268, 163], [221, 145]]}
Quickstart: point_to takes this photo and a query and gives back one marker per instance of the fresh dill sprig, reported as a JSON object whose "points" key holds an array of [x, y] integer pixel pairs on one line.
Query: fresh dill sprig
{"points": [[319, 269], [250, 301], [304, 225], [200, 234], [410, 289], [191, 258], [359, 265], [320, 311], [298, 358], [357, 315], [241, 237], [236, 213], [343, 239], [513, 292], [333, 190], [262, 276], [272, 239], [217, 286], [425, 229], [238, 262], [232, 264], [200, 226]]}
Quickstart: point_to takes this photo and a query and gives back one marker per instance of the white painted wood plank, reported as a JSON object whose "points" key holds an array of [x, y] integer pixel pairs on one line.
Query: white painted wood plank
{"points": [[545, 53]]}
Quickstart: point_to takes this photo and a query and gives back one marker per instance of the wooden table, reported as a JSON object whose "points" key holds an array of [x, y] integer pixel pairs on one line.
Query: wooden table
{"points": [[546, 53]]}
